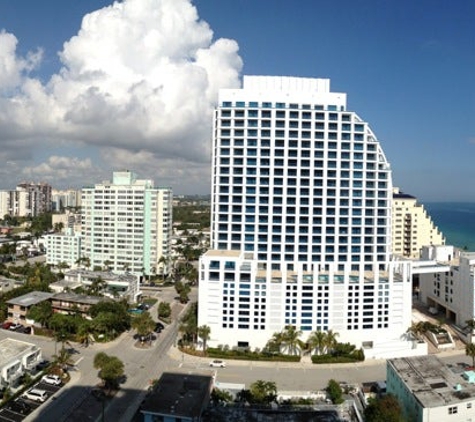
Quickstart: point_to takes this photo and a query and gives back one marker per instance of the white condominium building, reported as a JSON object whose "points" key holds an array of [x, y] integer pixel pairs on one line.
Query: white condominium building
{"points": [[126, 224], [412, 227], [62, 199], [301, 221], [63, 249]]}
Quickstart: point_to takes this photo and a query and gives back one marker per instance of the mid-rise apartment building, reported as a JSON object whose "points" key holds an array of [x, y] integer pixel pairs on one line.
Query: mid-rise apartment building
{"points": [[449, 291], [301, 222], [126, 224], [63, 248], [27, 200], [412, 227]]}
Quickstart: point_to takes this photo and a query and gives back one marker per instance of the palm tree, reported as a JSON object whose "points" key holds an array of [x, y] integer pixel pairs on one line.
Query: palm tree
{"points": [[97, 286], [470, 324], [63, 359], [274, 345], [204, 333], [143, 323], [418, 329], [330, 340], [84, 333], [291, 339], [470, 351], [107, 265], [317, 341]]}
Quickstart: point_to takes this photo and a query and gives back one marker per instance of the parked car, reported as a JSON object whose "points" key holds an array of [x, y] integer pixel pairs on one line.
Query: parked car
{"points": [[159, 327], [51, 379], [217, 363], [6, 325], [15, 326], [35, 394], [24, 329], [19, 406], [42, 365]]}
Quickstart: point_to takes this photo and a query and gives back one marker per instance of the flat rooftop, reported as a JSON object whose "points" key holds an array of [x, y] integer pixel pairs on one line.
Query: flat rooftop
{"points": [[180, 395], [76, 298], [30, 299], [11, 349], [432, 382]]}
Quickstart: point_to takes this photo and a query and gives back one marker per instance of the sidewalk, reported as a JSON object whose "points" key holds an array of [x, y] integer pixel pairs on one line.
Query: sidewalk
{"points": [[176, 354]]}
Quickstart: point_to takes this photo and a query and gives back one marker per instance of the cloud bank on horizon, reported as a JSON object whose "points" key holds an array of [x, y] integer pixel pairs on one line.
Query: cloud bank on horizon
{"points": [[136, 89]]}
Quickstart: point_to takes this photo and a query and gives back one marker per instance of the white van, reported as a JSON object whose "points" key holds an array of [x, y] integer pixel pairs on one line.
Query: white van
{"points": [[36, 394]]}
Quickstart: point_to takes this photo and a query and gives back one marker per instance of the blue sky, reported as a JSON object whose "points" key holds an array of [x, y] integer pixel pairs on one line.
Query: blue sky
{"points": [[407, 66]]}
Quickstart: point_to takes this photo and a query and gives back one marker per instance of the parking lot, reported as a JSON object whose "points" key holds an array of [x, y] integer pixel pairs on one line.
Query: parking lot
{"points": [[18, 409]]}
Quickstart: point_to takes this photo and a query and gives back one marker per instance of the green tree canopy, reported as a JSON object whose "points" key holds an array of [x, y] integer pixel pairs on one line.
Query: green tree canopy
{"points": [[41, 313], [111, 369], [220, 397], [204, 334], [385, 409], [143, 323], [164, 310], [335, 392], [117, 309], [470, 351], [263, 392]]}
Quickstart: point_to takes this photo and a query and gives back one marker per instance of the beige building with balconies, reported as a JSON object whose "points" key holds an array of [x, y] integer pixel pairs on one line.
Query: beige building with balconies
{"points": [[19, 306], [412, 227]]}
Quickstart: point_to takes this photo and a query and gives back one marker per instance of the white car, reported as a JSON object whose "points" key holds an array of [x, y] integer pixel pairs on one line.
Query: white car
{"points": [[217, 364], [35, 394], [51, 379]]}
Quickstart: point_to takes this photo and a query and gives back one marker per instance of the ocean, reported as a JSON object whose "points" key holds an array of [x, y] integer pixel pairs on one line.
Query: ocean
{"points": [[456, 220]]}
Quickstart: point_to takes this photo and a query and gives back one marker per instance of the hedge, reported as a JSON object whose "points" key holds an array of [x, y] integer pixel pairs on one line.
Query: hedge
{"points": [[241, 355]]}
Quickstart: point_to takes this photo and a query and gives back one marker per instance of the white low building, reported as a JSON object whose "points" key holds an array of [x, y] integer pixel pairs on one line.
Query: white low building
{"points": [[17, 358], [449, 291], [115, 285], [430, 391]]}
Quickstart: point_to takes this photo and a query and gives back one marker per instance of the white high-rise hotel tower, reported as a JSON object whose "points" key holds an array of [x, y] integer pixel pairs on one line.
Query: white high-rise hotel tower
{"points": [[301, 222]]}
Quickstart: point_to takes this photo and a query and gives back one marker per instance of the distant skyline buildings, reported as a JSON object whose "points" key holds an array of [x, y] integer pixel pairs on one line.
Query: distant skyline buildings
{"points": [[29, 199]]}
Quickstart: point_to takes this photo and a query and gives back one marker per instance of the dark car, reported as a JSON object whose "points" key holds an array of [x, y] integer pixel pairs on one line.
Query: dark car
{"points": [[42, 365], [6, 325], [159, 327], [19, 406], [24, 329]]}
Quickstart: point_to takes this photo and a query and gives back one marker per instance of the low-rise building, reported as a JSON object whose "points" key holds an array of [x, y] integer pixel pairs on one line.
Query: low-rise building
{"points": [[429, 391], [19, 306], [17, 358], [178, 397], [71, 303], [108, 283]]}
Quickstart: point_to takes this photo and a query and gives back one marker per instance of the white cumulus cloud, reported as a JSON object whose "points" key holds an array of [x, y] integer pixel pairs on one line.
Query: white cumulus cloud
{"points": [[137, 87]]}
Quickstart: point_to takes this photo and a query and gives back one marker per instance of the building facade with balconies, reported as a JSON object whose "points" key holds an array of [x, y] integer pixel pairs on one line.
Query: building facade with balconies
{"points": [[126, 224]]}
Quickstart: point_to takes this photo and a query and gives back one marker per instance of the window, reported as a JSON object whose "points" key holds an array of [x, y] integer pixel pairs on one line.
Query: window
{"points": [[453, 410]]}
